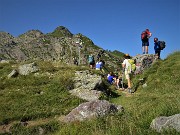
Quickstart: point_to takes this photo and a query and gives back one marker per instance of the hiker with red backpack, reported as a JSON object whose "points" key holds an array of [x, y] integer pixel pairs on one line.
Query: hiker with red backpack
{"points": [[145, 35]]}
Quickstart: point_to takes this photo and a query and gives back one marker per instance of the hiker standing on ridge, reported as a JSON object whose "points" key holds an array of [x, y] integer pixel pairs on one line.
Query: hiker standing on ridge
{"points": [[157, 48], [145, 35], [126, 65]]}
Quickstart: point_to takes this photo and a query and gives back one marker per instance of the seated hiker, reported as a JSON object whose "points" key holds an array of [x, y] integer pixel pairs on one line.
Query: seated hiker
{"points": [[119, 79], [111, 78]]}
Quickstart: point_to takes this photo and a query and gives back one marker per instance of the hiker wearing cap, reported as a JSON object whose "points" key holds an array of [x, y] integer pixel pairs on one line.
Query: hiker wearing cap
{"points": [[126, 66], [157, 48], [145, 35]]}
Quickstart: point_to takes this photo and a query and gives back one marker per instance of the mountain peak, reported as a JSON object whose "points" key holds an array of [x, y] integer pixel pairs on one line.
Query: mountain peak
{"points": [[61, 31]]}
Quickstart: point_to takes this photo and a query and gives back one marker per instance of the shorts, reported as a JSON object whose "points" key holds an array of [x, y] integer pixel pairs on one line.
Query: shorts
{"points": [[127, 75], [145, 43], [92, 63]]}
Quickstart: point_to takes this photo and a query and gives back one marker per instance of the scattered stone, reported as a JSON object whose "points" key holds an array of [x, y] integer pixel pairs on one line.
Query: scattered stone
{"points": [[144, 85], [41, 131], [4, 61], [28, 68], [13, 73]]}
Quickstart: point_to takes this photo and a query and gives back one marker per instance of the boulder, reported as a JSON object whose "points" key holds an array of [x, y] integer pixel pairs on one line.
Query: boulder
{"points": [[86, 85], [143, 61], [28, 68], [92, 109], [162, 122]]}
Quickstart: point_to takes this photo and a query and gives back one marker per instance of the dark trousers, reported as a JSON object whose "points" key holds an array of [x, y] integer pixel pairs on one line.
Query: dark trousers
{"points": [[158, 53]]}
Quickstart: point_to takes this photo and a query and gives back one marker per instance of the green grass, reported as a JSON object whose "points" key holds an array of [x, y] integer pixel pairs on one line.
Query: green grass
{"points": [[31, 97], [43, 96]]}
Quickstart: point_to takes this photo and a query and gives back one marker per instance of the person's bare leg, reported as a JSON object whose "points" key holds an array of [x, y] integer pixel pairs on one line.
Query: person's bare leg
{"points": [[117, 83], [146, 49], [129, 83], [143, 49]]}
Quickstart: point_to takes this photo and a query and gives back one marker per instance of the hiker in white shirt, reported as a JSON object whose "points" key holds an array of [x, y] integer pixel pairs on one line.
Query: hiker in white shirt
{"points": [[127, 70]]}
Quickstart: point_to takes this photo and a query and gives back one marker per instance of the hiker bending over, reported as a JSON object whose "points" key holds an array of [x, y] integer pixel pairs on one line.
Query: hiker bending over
{"points": [[127, 69], [157, 48], [145, 35], [99, 65]]}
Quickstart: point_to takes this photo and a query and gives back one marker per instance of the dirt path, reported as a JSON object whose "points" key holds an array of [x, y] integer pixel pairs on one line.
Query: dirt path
{"points": [[6, 127]]}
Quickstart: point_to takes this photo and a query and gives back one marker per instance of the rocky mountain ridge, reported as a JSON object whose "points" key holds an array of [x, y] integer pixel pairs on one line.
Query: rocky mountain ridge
{"points": [[60, 45]]}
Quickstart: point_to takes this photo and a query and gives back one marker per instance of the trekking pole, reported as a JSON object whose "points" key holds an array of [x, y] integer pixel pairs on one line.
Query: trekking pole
{"points": [[122, 81]]}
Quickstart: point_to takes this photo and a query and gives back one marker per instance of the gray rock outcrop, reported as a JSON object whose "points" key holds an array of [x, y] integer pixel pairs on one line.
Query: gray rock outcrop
{"points": [[6, 38], [86, 85], [92, 109], [143, 61], [161, 123]]}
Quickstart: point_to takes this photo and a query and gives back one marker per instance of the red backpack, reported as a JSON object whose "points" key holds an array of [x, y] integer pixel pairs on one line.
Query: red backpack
{"points": [[143, 35]]}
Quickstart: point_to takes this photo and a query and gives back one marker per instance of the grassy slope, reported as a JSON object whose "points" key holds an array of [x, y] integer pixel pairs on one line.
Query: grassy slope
{"points": [[20, 99], [32, 97], [160, 98]]}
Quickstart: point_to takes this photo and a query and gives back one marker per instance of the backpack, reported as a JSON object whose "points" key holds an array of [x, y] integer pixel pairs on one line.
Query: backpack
{"points": [[162, 45], [90, 59], [143, 35], [132, 66]]}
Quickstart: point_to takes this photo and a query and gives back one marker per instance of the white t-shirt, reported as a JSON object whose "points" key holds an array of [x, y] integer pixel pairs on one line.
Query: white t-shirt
{"points": [[127, 64]]}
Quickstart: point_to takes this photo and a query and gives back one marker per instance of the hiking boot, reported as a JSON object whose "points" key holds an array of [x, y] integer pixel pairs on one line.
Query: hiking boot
{"points": [[129, 90], [117, 87]]}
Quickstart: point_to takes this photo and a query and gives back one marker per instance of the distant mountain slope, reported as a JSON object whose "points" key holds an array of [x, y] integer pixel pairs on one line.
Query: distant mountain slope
{"points": [[59, 45]]}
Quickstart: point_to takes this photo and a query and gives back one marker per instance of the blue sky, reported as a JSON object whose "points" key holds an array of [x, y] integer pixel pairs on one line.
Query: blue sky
{"points": [[110, 24]]}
